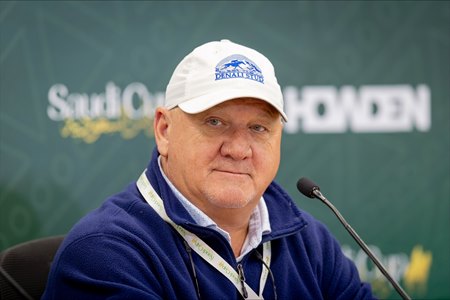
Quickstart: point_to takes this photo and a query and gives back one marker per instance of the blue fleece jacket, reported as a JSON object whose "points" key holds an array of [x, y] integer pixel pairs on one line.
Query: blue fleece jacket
{"points": [[124, 250]]}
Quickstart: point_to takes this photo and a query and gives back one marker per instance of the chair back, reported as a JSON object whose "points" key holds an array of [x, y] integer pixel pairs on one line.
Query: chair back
{"points": [[24, 268]]}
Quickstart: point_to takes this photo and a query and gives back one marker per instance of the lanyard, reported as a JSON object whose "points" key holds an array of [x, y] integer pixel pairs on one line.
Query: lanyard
{"points": [[200, 247]]}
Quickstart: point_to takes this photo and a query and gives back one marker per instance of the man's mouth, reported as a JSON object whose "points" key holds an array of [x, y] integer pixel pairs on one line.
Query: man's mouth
{"points": [[232, 172]]}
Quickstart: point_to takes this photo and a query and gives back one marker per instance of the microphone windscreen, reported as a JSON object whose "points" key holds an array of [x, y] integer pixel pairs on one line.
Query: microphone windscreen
{"points": [[306, 187]]}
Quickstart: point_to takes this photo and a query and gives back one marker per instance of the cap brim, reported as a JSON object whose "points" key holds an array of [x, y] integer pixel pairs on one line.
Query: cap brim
{"points": [[202, 103]]}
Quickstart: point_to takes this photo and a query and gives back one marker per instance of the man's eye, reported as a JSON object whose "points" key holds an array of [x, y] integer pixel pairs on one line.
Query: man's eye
{"points": [[214, 122], [258, 128]]}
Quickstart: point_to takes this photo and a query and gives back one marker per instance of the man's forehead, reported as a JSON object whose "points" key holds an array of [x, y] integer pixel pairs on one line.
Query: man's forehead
{"points": [[248, 101]]}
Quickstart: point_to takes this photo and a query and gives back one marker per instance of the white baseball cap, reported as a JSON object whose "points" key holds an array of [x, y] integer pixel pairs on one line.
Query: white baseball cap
{"points": [[219, 71]]}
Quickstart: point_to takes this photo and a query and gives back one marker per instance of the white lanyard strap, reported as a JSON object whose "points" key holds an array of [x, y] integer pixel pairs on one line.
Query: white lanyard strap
{"points": [[267, 255], [200, 247]]}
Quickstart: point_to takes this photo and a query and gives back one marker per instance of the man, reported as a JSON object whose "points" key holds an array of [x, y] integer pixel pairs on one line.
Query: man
{"points": [[205, 220]]}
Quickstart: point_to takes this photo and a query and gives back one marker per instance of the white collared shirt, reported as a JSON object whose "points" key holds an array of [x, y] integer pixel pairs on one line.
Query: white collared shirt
{"points": [[259, 223]]}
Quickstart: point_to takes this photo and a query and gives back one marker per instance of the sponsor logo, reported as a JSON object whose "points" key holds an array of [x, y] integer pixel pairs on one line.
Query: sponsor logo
{"points": [[371, 108], [88, 117], [411, 271], [238, 66]]}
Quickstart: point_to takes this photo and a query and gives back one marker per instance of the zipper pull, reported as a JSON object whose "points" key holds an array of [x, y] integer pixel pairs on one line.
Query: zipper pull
{"points": [[242, 279]]}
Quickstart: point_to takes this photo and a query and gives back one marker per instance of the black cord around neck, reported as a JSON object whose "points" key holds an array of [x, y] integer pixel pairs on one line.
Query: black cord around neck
{"points": [[194, 273]]}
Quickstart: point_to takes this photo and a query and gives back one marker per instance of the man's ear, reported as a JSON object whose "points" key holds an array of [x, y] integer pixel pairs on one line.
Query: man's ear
{"points": [[161, 126]]}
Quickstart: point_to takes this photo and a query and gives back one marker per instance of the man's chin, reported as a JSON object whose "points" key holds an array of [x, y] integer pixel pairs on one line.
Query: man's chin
{"points": [[231, 198]]}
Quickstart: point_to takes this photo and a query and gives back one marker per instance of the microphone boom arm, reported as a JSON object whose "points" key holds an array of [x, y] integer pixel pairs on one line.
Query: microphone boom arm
{"points": [[317, 194]]}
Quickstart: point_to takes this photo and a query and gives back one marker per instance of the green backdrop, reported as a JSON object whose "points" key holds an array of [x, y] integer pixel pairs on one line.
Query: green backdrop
{"points": [[367, 93]]}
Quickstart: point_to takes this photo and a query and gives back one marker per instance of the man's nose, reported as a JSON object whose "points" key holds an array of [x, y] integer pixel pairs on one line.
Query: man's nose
{"points": [[237, 145]]}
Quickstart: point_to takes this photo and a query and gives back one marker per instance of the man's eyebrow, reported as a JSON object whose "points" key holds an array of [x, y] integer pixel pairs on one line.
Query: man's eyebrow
{"points": [[271, 111]]}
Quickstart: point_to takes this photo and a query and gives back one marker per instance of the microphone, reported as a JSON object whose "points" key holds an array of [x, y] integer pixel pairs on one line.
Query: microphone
{"points": [[312, 190]]}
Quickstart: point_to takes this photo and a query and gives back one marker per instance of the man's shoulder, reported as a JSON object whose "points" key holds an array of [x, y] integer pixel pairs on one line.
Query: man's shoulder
{"points": [[117, 214]]}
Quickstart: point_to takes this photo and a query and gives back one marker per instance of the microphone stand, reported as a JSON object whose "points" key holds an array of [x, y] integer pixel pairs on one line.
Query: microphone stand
{"points": [[316, 192]]}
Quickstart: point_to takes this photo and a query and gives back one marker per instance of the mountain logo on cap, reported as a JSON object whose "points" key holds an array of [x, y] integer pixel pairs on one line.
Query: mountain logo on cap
{"points": [[238, 66]]}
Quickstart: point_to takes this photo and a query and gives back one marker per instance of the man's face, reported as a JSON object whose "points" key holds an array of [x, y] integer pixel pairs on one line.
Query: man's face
{"points": [[224, 157]]}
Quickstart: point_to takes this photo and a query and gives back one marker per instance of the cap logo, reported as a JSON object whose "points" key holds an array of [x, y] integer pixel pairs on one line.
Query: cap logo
{"points": [[238, 66]]}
